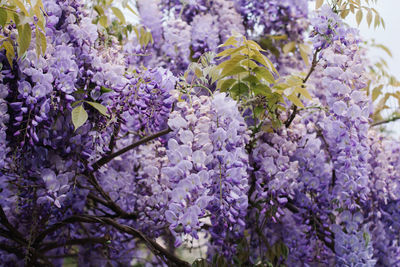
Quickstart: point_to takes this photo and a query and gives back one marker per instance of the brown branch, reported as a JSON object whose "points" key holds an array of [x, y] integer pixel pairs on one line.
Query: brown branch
{"points": [[333, 182], [385, 121], [108, 201], [4, 221], [81, 241], [144, 140], [294, 107], [113, 141], [314, 219], [156, 248]]}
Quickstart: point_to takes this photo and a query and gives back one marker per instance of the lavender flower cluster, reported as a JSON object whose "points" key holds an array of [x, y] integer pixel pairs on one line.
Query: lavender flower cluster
{"points": [[208, 170], [153, 160]]}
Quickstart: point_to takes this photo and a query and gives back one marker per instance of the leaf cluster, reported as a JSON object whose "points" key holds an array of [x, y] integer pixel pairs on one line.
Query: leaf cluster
{"points": [[249, 76], [382, 85], [112, 20], [357, 8], [25, 16]]}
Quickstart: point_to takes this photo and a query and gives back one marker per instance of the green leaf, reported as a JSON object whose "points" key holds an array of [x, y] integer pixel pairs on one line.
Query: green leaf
{"points": [[24, 38], [367, 238], [258, 111], [251, 79], [225, 85], [100, 108], [79, 116], [104, 90], [220, 261], [118, 13], [3, 17], [201, 263], [284, 250], [239, 89], [262, 89]]}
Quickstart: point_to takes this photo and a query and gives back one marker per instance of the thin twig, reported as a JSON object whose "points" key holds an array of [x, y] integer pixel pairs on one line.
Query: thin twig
{"points": [[294, 107], [144, 140], [385, 121]]}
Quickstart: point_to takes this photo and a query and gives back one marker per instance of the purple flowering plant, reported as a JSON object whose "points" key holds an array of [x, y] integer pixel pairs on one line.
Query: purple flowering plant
{"points": [[215, 133]]}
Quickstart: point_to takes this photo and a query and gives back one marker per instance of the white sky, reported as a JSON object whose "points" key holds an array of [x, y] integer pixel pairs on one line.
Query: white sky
{"points": [[390, 11]]}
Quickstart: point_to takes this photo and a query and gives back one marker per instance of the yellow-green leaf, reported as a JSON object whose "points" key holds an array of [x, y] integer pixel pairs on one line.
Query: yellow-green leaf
{"points": [[233, 61], [24, 38], [345, 13], [289, 47], [359, 16], [262, 89], [295, 100], [263, 73], [377, 21], [42, 39], [233, 71], [100, 108], [369, 17], [260, 58], [131, 10], [3, 17], [303, 91], [376, 92], [304, 52], [254, 45], [318, 3], [198, 72], [21, 6], [230, 52], [385, 48], [9, 52], [37, 9], [249, 63], [231, 41], [103, 21], [118, 13], [79, 116], [99, 10]]}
